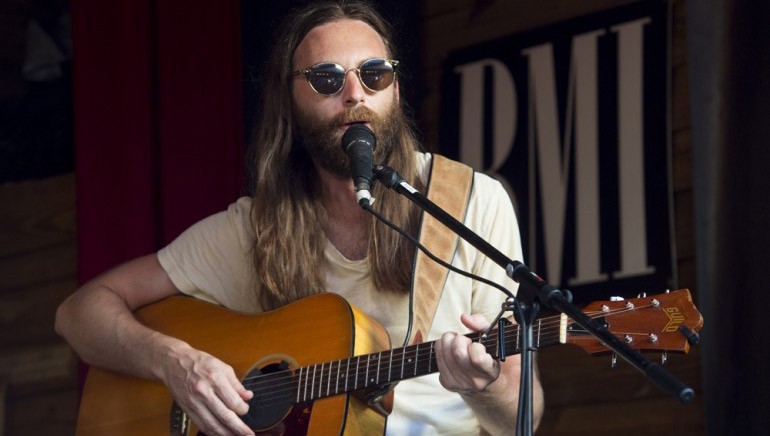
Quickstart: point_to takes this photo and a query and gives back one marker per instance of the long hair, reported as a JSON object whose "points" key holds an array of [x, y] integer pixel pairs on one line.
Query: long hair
{"points": [[288, 251]]}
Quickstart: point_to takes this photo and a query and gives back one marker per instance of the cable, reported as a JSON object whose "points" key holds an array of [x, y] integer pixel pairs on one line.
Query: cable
{"points": [[369, 209]]}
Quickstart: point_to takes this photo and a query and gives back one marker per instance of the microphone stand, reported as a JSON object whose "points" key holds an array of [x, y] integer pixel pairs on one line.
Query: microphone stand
{"points": [[533, 292]]}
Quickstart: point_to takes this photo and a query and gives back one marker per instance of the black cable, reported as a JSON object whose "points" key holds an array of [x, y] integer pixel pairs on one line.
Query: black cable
{"points": [[369, 209], [523, 419]]}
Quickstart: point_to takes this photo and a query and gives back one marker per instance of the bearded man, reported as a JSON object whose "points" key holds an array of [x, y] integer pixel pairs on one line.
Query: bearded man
{"points": [[302, 233]]}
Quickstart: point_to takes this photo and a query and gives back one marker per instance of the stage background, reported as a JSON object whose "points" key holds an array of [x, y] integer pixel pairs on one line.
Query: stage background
{"points": [[155, 137]]}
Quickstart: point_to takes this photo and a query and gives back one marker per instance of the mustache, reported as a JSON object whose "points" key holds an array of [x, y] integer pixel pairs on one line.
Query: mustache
{"points": [[357, 114]]}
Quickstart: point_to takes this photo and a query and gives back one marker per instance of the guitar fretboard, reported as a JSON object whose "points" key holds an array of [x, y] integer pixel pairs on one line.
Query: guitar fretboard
{"points": [[376, 369]]}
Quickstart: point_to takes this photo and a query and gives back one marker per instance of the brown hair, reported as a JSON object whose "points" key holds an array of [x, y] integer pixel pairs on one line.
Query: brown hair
{"points": [[288, 251]]}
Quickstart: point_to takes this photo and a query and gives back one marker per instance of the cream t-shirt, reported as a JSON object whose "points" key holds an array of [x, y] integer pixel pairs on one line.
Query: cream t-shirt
{"points": [[212, 261]]}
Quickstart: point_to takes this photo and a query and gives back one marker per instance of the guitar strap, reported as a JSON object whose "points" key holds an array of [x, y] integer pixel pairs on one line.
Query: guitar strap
{"points": [[451, 191]]}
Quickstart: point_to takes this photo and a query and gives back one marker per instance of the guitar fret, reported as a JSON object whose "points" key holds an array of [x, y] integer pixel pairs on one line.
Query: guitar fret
{"points": [[337, 386], [416, 354], [358, 368], [366, 380], [347, 374], [312, 381], [379, 359], [318, 382], [403, 355], [329, 380], [539, 325], [390, 366], [518, 336], [430, 358], [497, 345], [299, 383]]}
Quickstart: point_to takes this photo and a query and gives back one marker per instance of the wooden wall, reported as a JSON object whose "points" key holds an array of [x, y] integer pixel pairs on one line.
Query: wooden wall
{"points": [[38, 377], [584, 396], [38, 267], [38, 253]]}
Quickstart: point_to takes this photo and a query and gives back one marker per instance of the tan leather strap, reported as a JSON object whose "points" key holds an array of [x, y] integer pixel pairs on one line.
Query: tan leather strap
{"points": [[449, 186]]}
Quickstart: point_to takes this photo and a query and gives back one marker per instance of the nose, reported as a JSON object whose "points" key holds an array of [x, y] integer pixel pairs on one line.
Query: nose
{"points": [[353, 92]]}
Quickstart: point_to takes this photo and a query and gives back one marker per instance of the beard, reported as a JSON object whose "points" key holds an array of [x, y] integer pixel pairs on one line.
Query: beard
{"points": [[322, 138]]}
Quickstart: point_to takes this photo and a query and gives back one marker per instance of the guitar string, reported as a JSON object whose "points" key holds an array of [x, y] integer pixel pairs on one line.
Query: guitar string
{"points": [[544, 328], [325, 373], [279, 390]]}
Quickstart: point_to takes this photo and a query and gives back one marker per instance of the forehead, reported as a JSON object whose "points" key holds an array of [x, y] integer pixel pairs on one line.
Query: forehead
{"points": [[347, 42]]}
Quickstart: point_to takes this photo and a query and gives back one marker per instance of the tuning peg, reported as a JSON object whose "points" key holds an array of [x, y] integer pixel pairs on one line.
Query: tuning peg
{"points": [[614, 360], [663, 358], [691, 336]]}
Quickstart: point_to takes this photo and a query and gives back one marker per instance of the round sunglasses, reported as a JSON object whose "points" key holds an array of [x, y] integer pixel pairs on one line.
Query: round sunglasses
{"points": [[328, 78]]}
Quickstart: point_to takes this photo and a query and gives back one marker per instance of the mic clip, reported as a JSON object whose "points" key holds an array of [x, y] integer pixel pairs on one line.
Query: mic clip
{"points": [[364, 198]]}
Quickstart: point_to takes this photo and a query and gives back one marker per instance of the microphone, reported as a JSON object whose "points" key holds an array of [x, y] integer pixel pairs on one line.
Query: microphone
{"points": [[358, 142]]}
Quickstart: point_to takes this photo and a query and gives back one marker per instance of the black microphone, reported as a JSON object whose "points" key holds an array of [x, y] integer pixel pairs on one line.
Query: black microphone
{"points": [[358, 142]]}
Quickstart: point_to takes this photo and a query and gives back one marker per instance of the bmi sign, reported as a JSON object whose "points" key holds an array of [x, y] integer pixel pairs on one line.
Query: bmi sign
{"points": [[573, 119]]}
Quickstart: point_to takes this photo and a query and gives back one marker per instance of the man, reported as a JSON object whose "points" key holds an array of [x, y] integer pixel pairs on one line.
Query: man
{"points": [[302, 232]]}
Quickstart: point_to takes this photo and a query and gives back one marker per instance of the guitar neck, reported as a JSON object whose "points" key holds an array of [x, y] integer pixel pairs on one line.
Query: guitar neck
{"points": [[377, 369]]}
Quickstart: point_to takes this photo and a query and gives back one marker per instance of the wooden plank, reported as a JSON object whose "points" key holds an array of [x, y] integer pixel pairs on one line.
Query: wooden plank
{"points": [[680, 103], [39, 367], [688, 277], [684, 224], [43, 265], [27, 314], [47, 413], [681, 162], [37, 214], [570, 376], [640, 417], [679, 34]]}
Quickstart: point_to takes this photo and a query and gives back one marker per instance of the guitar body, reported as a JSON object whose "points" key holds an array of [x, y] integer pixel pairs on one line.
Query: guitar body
{"points": [[319, 328]]}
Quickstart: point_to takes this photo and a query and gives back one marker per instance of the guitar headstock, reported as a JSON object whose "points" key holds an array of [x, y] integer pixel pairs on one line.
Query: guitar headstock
{"points": [[662, 323]]}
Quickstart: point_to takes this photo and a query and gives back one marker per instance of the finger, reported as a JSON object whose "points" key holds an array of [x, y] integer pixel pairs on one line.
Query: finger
{"points": [[444, 361], [461, 368], [475, 322], [204, 420], [229, 419], [233, 394], [477, 368], [482, 362], [214, 401]]}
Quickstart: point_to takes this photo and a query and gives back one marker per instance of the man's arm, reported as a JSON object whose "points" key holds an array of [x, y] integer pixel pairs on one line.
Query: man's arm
{"points": [[99, 324], [489, 387]]}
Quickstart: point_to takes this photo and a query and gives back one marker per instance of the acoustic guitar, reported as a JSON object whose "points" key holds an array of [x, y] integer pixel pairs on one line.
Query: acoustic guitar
{"points": [[321, 366]]}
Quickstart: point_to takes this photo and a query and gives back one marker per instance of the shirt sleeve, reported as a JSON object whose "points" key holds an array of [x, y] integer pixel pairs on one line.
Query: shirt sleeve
{"points": [[212, 259]]}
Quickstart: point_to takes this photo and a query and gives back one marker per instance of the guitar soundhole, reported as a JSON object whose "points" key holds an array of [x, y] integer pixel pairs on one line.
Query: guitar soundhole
{"points": [[271, 410], [274, 388]]}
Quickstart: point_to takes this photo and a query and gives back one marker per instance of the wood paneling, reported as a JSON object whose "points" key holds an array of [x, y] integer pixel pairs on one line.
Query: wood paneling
{"points": [[37, 266]]}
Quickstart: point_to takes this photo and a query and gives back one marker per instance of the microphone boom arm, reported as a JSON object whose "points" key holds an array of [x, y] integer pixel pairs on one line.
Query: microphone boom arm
{"points": [[532, 287]]}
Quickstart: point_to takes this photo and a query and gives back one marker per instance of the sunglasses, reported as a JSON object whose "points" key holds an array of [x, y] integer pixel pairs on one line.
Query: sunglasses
{"points": [[328, 78]]}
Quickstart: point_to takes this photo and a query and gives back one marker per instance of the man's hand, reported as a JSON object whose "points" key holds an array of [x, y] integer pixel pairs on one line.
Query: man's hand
{"points": [[465, 366], [208, 391]]}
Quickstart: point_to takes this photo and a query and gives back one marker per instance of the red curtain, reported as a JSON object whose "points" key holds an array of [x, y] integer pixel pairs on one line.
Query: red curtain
{"points": [[158, 122]]}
